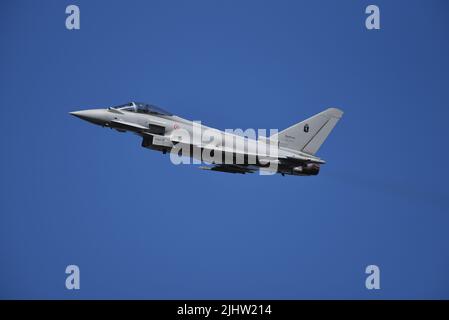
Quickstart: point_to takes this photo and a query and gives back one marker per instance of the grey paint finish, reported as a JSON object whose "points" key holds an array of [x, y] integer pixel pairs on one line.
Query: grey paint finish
{"points": [[295, 147]]}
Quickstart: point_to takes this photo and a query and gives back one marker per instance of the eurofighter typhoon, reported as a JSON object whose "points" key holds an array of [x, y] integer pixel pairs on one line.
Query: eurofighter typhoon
{"points": [[288, 152]]}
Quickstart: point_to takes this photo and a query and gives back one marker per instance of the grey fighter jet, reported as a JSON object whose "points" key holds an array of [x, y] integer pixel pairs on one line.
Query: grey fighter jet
{"points": [[290, 151]]}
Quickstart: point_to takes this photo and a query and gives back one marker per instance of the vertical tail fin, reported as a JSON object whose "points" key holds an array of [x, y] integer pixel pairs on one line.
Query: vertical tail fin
{"points": [[308, 135]]}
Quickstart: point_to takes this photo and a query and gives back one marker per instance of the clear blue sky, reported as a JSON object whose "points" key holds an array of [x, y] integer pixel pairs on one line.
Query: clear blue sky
{"points": [[140, 227]]}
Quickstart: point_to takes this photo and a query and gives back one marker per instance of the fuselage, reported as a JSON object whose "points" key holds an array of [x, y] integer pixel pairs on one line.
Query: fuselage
{"points": [[163, 131]]}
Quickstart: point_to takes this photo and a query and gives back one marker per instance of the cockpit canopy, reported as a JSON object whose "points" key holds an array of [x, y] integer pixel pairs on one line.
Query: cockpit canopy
{"points": [[140, 107]]}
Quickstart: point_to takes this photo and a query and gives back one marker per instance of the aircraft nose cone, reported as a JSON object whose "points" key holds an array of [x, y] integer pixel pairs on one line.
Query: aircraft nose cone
{"points": [[95, 116], [80, 114]]}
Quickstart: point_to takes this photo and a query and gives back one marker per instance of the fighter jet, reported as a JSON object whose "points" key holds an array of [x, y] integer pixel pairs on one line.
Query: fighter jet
{"points": [[288, 152]]}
